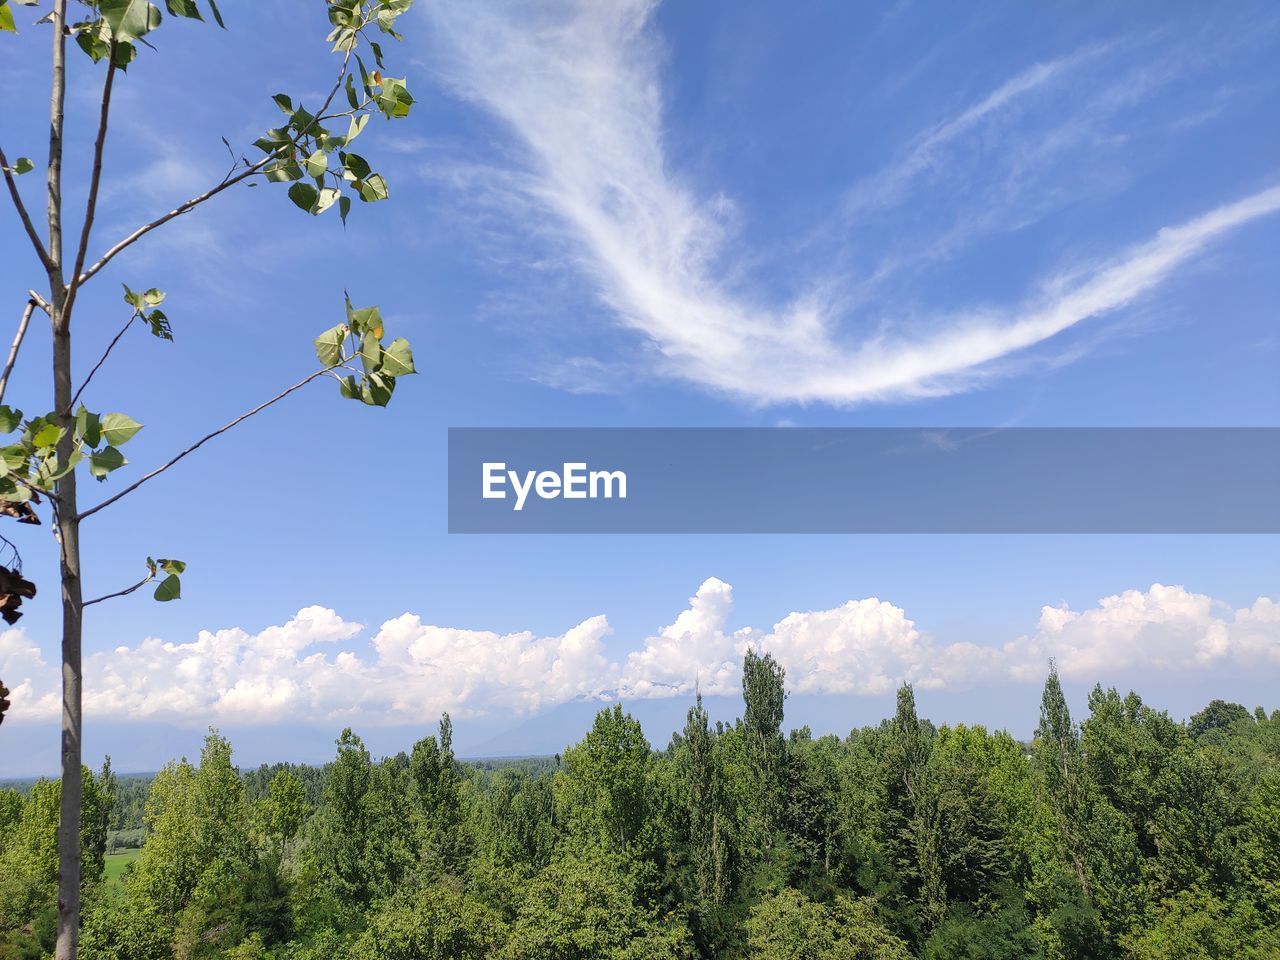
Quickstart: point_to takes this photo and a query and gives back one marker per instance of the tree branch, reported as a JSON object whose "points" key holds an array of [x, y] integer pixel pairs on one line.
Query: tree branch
{"points": [[227, 181], [101, 360], [122, 593], [91, 206], [17, 345], [25, 217], [205, 439]]}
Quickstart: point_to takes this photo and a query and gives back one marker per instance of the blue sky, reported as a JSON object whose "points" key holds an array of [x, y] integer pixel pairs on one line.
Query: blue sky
{"points": [[702, 214]]}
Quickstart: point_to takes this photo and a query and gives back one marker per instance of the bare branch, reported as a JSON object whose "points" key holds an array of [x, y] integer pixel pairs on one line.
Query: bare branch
{"points": [[101, 360], [25, 217], [122, 593], [227, 181], [91, 206], [40, 302], [17, 345], [203, 440]]}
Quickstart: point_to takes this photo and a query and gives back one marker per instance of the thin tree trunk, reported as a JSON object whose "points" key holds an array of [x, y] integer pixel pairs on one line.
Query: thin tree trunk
{"points": [[68, 525], [72, 675]]}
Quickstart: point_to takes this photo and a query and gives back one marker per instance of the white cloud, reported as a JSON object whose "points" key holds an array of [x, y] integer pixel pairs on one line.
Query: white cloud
{"points": [[310, 669], [579, 86], [696, 650]]}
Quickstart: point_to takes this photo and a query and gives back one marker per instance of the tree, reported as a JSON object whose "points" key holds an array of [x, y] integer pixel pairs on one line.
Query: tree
{"points": [[41, 463], [763, 694], [1218, 715], [590, 907], [1056, 750], [789, 926], [604, 789], [709, 828]]}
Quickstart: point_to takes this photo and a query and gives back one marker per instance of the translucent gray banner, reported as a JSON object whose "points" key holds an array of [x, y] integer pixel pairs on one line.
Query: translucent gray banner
{"points": [[864, 480]]}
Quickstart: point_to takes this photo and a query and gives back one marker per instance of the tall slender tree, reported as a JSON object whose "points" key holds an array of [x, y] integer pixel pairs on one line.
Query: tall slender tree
{"points": [[40, 464]]}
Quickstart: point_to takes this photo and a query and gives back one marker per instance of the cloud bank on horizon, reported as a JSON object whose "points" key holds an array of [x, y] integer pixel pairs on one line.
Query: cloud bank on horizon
{"points": [[309, 670], [580, 88]]}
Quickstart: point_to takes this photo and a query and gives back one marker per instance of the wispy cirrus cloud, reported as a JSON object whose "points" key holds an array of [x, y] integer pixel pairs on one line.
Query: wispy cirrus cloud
{"points": [[579, 86]]}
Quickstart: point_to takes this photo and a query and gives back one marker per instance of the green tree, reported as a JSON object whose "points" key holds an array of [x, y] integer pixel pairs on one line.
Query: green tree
{"points": [[44, 453], [1218, 715], [1057, 755], [789, 926], [1196, 925], [438, 922], [764, 695], [709, 822], [604, 789], [591, 906]]}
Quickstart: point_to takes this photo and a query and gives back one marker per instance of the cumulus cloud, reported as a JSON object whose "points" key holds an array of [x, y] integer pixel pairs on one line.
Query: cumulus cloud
{"points": [[579, 87], [311, 668]]}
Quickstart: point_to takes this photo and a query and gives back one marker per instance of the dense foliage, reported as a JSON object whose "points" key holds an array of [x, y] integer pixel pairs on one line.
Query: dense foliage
{"points": [[1128, 835]]}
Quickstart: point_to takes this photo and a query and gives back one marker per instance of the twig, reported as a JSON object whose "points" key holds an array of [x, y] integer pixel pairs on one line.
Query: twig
{"points": [[101, 360], [228, 181], [91, 206], [17, 345], [25, 217], [122, 593], [203, 440]]}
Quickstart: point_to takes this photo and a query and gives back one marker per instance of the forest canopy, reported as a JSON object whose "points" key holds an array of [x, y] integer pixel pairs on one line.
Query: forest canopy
{"points": [[1126, 835]]}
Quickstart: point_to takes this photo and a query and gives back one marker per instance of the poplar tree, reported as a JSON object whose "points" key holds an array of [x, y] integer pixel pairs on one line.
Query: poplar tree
{"points": [[45, 454]]}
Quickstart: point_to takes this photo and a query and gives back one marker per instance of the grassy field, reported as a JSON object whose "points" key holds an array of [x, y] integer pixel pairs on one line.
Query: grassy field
{"points": [[116, 865]]}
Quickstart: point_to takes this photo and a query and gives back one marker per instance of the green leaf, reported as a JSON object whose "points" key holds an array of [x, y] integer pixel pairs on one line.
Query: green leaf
{"points": [[118, 428], [366, 320], [172, 566], [302, 120], [153, 297], [15, 457], [217, 16], [349, 388], [6, 19], [372, 189], [394, 99], [284, 103], [88, 426], [329, 345], [170, 588], [104, 461], [23, 165], [397, 358], [183, 8], [124, 55], [356, 165], [356, 126], [160, 326], [303, 195], [344, 208], [376, 389], [370, 353], [317, 163], [283, 171], [130, 19], [351, 92], [327, 198], [47, 436], [72, 462], [9, 419], [273, 140]]}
